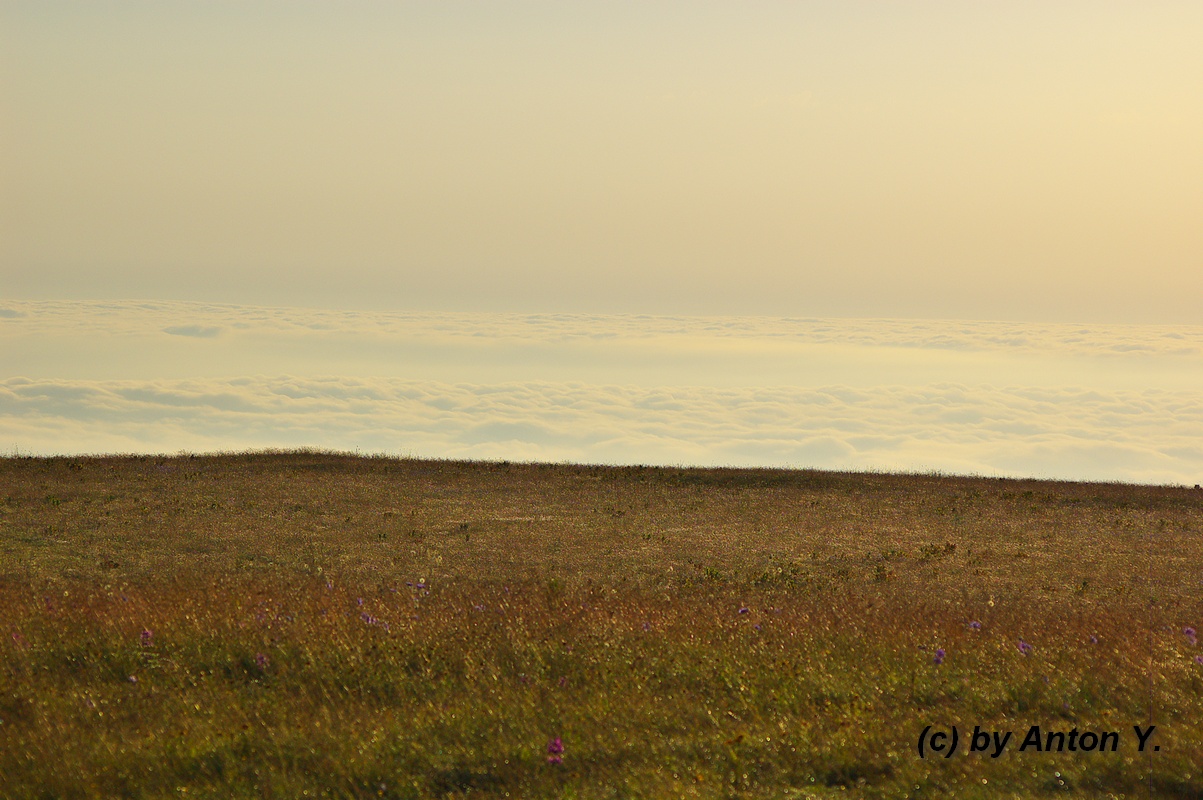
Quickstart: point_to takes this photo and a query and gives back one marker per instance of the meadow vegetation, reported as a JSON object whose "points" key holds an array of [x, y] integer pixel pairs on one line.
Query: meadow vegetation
{"points": [[309, 624]]}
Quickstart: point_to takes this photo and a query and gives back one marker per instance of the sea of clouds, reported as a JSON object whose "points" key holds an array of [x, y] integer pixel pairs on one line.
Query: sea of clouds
{"points": [[1079, 402]]}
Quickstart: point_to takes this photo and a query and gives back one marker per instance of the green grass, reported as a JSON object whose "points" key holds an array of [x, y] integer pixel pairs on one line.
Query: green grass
{"points": [[696, 633]]}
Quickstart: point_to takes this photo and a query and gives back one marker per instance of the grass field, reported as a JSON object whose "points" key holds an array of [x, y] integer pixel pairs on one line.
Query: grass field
{"points": [[326, 625]]}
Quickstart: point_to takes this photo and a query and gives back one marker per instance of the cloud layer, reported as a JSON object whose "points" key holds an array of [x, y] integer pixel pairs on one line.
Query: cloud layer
{"points": [[1067, 401], [1151, 436], [50, 318]]}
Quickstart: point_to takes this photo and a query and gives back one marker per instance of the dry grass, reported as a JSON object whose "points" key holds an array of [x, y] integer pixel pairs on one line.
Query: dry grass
{"points": [[353, 627]]}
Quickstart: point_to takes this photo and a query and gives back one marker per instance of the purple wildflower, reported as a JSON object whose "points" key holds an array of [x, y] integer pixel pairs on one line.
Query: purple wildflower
{"points": [[1094, 639], [133, 678], [939, 657], [261, 661], [1199, 659], [147, 637], [1025, 648], [975, 626], [743, 610], [359, 601], [555, 751], [1190, 634]]}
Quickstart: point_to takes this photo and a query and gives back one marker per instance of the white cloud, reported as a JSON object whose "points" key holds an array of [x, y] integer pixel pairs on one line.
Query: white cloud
{"points": [[675, 333], [1070, 401], [200, 331], [1068, 434]]}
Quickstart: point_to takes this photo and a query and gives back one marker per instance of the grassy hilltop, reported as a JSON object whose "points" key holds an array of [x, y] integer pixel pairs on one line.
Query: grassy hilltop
{"points": [[325, 625]]}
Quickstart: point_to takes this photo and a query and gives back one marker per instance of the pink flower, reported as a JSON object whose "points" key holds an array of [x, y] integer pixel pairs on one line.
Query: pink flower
{"points": [[555, 751]]}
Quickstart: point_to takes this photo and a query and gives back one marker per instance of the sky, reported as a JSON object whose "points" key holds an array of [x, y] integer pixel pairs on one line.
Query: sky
{"points": [[1021, 160], [988, 208]]}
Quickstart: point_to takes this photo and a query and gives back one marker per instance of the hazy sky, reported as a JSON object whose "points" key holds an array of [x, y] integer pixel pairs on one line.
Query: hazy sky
{"points": [[911, 235], [1017, 160]]}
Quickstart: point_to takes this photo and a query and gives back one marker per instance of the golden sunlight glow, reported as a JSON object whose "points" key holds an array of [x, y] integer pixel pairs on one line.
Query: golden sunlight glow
{"points": [[936, 159]]}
